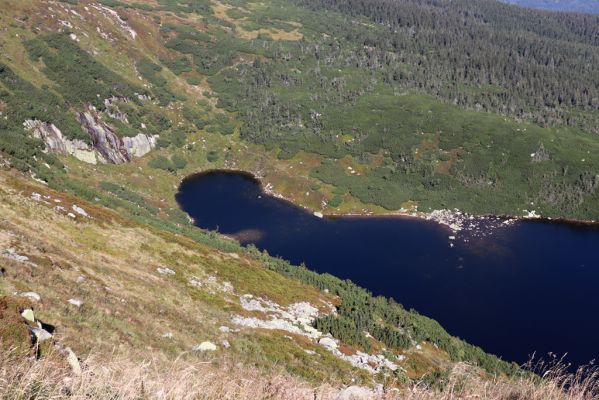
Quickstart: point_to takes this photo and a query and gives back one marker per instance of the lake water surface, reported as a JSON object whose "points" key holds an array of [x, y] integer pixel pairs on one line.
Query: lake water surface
{"points": [[532, 287]]}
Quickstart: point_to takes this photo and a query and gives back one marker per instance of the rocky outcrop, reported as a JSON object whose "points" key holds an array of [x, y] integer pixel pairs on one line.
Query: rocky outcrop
{"points": [[106, 146], [56, 143], [104, 139], [112, 109], [297, 318], [139, 145]]}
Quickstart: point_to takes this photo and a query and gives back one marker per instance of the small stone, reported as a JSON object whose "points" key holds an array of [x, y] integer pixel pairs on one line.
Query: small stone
{"points": [[318, 214], [41, 334], [73, 361], [28, 315], [71, 215], [76, 302], [13, 255], [205, 346], [80, 279], [31, 296], [80, 210], [168, 335], [165, 271], [224, 329], [225, 344]]}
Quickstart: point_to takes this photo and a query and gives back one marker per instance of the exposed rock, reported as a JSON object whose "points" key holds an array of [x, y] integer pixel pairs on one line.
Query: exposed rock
{"points": [[224, 329], [205, 346], [112, 109], [168, 335], [318, 214], [13, 255], [104, 139], [76, 302], [328, 342], [41, 334], [540, 155], [275, 323], [139, 145], [195, 282], [31, 296], [165, 271], [28, 315], [80, 210], [114, 17], [225, 344], [56, 143], [356, 393], [73, 361]]}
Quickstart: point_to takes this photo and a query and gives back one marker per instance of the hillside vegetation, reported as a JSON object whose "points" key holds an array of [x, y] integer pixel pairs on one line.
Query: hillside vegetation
{"points": [[376, 106]]}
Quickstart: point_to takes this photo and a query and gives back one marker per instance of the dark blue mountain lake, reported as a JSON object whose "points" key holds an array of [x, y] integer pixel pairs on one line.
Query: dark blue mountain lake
{"points": [[528, 288]]}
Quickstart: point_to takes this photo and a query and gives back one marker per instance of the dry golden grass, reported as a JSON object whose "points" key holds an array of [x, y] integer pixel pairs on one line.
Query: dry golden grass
{"points": [[120, 378]]}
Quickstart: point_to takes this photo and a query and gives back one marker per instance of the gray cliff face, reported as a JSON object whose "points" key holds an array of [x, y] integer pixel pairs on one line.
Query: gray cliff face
{"points": [[139, 145], [107, 146], [57, 143], [104, 139]]}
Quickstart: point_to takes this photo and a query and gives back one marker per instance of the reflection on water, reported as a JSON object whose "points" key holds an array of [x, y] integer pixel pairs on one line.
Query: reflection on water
{"points": [[513, 290]]}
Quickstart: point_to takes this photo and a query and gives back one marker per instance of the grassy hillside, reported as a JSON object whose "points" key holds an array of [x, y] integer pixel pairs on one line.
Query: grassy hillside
{"points": [[268, 88]]}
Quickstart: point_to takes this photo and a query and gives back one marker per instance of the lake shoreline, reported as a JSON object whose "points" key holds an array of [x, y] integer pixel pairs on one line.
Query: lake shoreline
{"points": [[441, 217], [501, 284]]}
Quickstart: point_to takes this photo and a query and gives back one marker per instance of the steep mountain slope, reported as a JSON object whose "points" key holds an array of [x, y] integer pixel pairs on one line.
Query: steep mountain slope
{"points": [[105, 105], [272, 76], [584, 6]]}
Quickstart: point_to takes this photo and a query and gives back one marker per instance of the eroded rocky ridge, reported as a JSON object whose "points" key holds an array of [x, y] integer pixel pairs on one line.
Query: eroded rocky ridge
{"points": [[57, 143], [106, 146]]}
